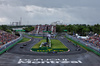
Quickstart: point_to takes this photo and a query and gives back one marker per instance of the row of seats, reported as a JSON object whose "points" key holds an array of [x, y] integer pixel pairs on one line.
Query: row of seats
{"points": [[92, 40], [6, 37], [44, 28], [41, 28]]}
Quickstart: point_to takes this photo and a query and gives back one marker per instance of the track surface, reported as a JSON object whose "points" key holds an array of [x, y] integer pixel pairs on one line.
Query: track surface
{"points": [[11, 58], [26, 49]]}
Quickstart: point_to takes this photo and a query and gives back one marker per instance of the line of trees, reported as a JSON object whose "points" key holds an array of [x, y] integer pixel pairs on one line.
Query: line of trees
{"points": [[9, 28], [6, 28], [81, 29], [28, 29]]}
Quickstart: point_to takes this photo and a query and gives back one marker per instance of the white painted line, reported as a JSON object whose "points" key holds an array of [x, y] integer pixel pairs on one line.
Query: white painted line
{"points": [[79, 61], [65, 61], [57, 61], [38, 61], [42, 62], [47, 62], [74, 62], [52, 61]]}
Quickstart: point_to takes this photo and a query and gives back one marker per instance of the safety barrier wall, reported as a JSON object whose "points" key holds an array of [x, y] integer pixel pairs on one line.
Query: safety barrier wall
{"points": [[89, 47], [10, 44]]}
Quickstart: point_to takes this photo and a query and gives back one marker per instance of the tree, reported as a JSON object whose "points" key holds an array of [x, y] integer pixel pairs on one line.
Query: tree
{"points": [[4, 27], [9, 31], [81, 29], [28, 29]]}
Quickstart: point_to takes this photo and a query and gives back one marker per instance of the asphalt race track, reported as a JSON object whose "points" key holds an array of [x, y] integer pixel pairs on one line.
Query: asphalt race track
{"points": [[17, 56], [26, 49]]}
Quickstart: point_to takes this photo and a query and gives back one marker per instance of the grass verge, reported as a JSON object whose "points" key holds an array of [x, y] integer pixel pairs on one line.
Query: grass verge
{"points": [[56, 45], [35, 36], [24, 40], [38, 44]]}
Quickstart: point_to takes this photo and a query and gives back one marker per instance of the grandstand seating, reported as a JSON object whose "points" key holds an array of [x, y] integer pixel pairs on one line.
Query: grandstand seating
{"points": [[92, 40], [43, 28], [6, 37]]}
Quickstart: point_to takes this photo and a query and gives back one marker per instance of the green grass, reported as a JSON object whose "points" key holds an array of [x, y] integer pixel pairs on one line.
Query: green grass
{"points": [[24, 40], [38, 44], [54, 44], [35, 36], [57, 44]]}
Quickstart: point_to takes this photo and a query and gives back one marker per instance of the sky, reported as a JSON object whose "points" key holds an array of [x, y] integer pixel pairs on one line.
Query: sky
{"points": [[35, 12]]}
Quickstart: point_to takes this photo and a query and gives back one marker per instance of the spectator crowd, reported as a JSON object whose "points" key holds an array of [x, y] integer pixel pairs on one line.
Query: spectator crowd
{"points": [[6, 37], [41, 28], [93, 40]]}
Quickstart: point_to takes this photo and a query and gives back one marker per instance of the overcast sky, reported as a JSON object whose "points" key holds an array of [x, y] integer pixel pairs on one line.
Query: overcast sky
{"points": [[46, 11]]}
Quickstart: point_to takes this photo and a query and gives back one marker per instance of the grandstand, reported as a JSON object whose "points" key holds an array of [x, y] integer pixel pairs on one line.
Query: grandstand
{"points": [[40, 28], [6, 37], [93, 40]]}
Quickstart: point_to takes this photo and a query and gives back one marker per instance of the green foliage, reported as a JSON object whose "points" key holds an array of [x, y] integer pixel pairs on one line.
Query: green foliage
{"points": [[6, 28], [9, 31], [0, 28], [82, 29], [28, 29], [16, 33], [60, 28]]}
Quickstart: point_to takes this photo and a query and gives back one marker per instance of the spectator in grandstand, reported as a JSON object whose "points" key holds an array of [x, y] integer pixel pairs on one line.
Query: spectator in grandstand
{"points": [[93, 40], [6, 37]]}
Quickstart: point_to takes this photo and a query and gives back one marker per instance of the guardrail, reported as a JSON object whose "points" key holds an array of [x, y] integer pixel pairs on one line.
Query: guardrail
{"points": [[88, 46], [10, 44]]}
